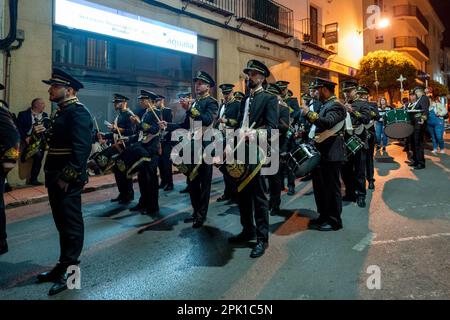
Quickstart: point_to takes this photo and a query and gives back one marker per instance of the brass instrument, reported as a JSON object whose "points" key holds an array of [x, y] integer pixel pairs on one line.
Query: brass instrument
{"points": [[38, 140]]}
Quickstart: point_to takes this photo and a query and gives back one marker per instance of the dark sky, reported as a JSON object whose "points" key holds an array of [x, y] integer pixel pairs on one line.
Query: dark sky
{"points": [[442, 7]]}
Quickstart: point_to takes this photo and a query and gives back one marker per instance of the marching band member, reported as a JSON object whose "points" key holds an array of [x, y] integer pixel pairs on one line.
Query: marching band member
{"points": [[419, 121], [258, 110], [165, 162], [354, 169], [227, 119], [329, 123], [203, 109]]}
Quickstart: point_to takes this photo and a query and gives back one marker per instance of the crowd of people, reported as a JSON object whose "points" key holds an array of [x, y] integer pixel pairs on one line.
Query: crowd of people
{"points": [[320, 138]]}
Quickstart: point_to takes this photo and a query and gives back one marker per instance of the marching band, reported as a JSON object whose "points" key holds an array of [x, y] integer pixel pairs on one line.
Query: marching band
{"points": [[320, 138]]}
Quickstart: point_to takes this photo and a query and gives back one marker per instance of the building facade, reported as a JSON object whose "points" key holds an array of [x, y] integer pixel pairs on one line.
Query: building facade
{"points": [[415, 29], [123, 46]]}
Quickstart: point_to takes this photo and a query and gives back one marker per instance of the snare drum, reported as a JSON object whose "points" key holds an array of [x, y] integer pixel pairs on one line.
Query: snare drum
{"points": [[398, 124], [354, 144], [106, 158], [303, 160]]}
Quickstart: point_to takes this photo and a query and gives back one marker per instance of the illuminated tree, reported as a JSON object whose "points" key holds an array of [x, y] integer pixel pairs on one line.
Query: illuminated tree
{"points": [[389, 66], [438, 89]]}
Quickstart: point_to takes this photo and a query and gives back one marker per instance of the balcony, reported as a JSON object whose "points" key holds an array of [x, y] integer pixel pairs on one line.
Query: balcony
{"points": [[223, 7], [413, 15], [267, 15], [316, 37], [414, 46]]}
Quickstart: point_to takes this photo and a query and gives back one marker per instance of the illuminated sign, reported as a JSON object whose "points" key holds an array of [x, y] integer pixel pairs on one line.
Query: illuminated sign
{"points": [[87, 16]]}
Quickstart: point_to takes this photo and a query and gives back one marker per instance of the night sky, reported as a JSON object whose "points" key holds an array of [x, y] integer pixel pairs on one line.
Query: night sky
{"points": [[443, 8]]}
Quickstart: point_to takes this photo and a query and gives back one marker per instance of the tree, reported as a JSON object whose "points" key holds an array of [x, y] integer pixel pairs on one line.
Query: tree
{"points": [[438, 89], [389, 66]]}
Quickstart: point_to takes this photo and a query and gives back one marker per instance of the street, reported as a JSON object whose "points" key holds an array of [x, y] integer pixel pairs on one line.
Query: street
{"points": [[404, 232]]}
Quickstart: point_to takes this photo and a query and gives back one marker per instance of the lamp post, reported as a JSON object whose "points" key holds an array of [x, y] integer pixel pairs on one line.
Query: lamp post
{"points": [[401, 80], [376, 83]]}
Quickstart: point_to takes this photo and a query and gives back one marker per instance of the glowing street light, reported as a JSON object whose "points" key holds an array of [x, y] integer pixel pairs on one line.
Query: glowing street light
{"points": [[384, 23]]}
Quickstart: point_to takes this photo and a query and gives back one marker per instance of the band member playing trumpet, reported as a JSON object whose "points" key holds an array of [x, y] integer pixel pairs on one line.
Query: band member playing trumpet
{"points": [[203, 109], [9, 153], [148, 140], [259, 110], [354, 169], [228, 116], [122, 128], [329, 123]]}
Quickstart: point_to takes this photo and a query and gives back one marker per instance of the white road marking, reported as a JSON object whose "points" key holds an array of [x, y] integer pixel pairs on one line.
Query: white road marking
{"points": [[432, 236], [366, 241]]}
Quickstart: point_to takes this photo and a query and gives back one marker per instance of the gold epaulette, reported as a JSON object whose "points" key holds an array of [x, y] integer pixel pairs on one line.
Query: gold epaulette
{"points": [[357, 114], [232, 122]]}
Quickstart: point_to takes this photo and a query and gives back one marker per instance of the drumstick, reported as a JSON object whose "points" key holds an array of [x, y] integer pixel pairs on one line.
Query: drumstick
{"points": [[243, 138], [154, 113]]}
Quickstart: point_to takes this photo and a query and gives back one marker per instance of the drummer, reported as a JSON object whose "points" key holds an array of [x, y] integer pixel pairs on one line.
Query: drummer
{"points": [[354, 169]]}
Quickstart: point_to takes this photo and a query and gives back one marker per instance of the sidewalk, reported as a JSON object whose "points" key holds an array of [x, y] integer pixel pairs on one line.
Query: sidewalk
{"points": [[23, 196]]}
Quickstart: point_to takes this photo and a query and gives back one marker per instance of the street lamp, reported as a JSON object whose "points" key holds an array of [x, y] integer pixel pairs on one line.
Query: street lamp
{"points": [[382, 24]]}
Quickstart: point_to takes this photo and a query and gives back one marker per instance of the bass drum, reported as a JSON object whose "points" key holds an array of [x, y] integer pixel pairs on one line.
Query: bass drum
{"points": [[398, 124], [303, 160]]}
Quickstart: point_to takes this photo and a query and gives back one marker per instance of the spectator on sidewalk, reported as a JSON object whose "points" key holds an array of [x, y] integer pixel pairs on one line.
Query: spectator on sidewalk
{"points": [[382, 139], [436, 125], [26, 120]]}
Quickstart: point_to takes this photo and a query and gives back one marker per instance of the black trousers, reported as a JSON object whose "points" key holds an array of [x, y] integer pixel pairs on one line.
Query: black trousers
{"points": [[370, 169], [2, 208], [148, 186], [354, 174], [165, 164], [275, 187], [230, 191], [68, 217], [200, 191], [327, 191], [418, 144], [253, 206], [124, 184], [37, 165]]}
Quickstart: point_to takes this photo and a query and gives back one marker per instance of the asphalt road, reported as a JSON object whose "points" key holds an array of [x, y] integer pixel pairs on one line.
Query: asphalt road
{"points": [[403, 234]]}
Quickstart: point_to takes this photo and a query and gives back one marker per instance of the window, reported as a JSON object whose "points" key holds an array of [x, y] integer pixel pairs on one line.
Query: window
{"points": [[314, 24]]}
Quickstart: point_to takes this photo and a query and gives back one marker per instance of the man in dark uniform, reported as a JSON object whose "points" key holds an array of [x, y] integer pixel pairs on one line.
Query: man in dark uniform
{"points": [[203, 109], [228, 119], [354, 169], [9, 154], [124, 125], [289, 99], [408, 141], [69, 146], [374, 116], [147, 138], [183, 99], [276, 180], [419, 122], [259, 109], [330, 143], [165, 162]]}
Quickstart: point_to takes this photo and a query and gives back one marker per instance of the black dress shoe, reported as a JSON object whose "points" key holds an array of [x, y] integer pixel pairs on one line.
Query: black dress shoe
{"points": [[361, 202], [185, 190], [36, 183], [242, 237], [326, 227], [259, 249], [419, 167], [59, 285], [52, 275], [412, 164], [198, 223], [126, 201], [169, 187], [291, 191], [189, 220], [137, 208], [317, 222], [371, 185], [148, 212], [223, 198], [3, 247]]}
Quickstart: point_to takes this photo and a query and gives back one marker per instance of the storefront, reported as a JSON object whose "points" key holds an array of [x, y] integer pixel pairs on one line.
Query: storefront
{"points": [[117, 56]]}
